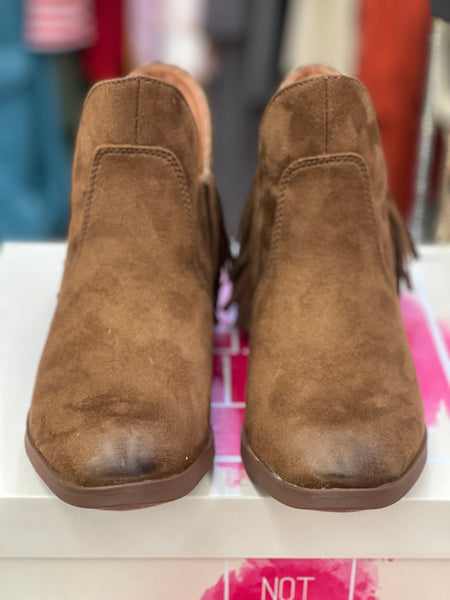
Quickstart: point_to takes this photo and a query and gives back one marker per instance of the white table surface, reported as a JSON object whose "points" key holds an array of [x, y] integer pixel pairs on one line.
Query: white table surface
{"points": [[222, 517]]}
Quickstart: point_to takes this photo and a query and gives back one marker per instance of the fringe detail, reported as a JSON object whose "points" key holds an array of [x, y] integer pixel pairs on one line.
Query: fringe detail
{"points": [[243, 286], [223, 244], [241, 272], [404, 246]]}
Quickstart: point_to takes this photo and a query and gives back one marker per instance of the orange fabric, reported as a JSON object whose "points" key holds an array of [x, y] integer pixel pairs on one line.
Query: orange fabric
{"points": [[394, 56]]}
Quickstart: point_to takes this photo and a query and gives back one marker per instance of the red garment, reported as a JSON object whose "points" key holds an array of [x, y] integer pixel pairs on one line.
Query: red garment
{"points": [[394, 56], [103, 60], [55, 26]]}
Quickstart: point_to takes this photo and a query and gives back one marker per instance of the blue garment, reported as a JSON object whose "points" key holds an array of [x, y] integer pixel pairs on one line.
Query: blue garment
{"points": [[34, 154]]}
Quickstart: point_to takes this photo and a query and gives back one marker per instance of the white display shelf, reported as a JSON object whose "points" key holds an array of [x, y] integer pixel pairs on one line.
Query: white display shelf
{"points": [[225, 516]]}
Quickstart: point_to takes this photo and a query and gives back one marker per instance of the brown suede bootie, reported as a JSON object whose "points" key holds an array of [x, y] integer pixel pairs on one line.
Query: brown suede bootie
{"points": [[334, 416], [120, 412]]}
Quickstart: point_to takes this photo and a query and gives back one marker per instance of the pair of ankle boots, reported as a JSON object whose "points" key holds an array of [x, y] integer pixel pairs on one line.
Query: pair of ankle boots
{"points": [[120, 412]]}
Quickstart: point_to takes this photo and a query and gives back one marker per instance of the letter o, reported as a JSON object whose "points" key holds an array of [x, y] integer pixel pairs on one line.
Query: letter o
{"points": [[286, 583]]}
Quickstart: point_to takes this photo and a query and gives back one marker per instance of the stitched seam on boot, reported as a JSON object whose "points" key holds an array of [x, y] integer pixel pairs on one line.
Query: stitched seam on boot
{"points": [[145, 79], [170, 159], [311, 162], [326, 115], [299, 84], [136, 114]]}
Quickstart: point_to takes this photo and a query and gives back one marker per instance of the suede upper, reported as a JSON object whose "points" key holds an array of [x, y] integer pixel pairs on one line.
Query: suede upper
{"points": [[123, 388], [332, 395]]}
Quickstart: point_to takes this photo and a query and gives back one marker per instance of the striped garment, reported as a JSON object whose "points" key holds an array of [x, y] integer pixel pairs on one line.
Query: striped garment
{"points": [[59, 26]]}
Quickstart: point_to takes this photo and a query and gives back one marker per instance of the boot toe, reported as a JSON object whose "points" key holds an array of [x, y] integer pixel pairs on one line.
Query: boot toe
{"points": [[347, 460], [337, 459], [123, 454]]}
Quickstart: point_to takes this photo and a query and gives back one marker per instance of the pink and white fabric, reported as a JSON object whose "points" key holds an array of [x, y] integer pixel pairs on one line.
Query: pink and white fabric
{"points": [[172, 31], [143, 30], [185, 42], [55, 26]]}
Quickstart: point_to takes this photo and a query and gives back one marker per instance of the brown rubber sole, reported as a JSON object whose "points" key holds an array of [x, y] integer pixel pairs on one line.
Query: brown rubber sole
{"points": [[126, 496], [331, 499]]}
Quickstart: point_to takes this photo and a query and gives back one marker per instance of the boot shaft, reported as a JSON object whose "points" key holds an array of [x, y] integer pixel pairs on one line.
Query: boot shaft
{"points": [[130, 129], [321, 120]]}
